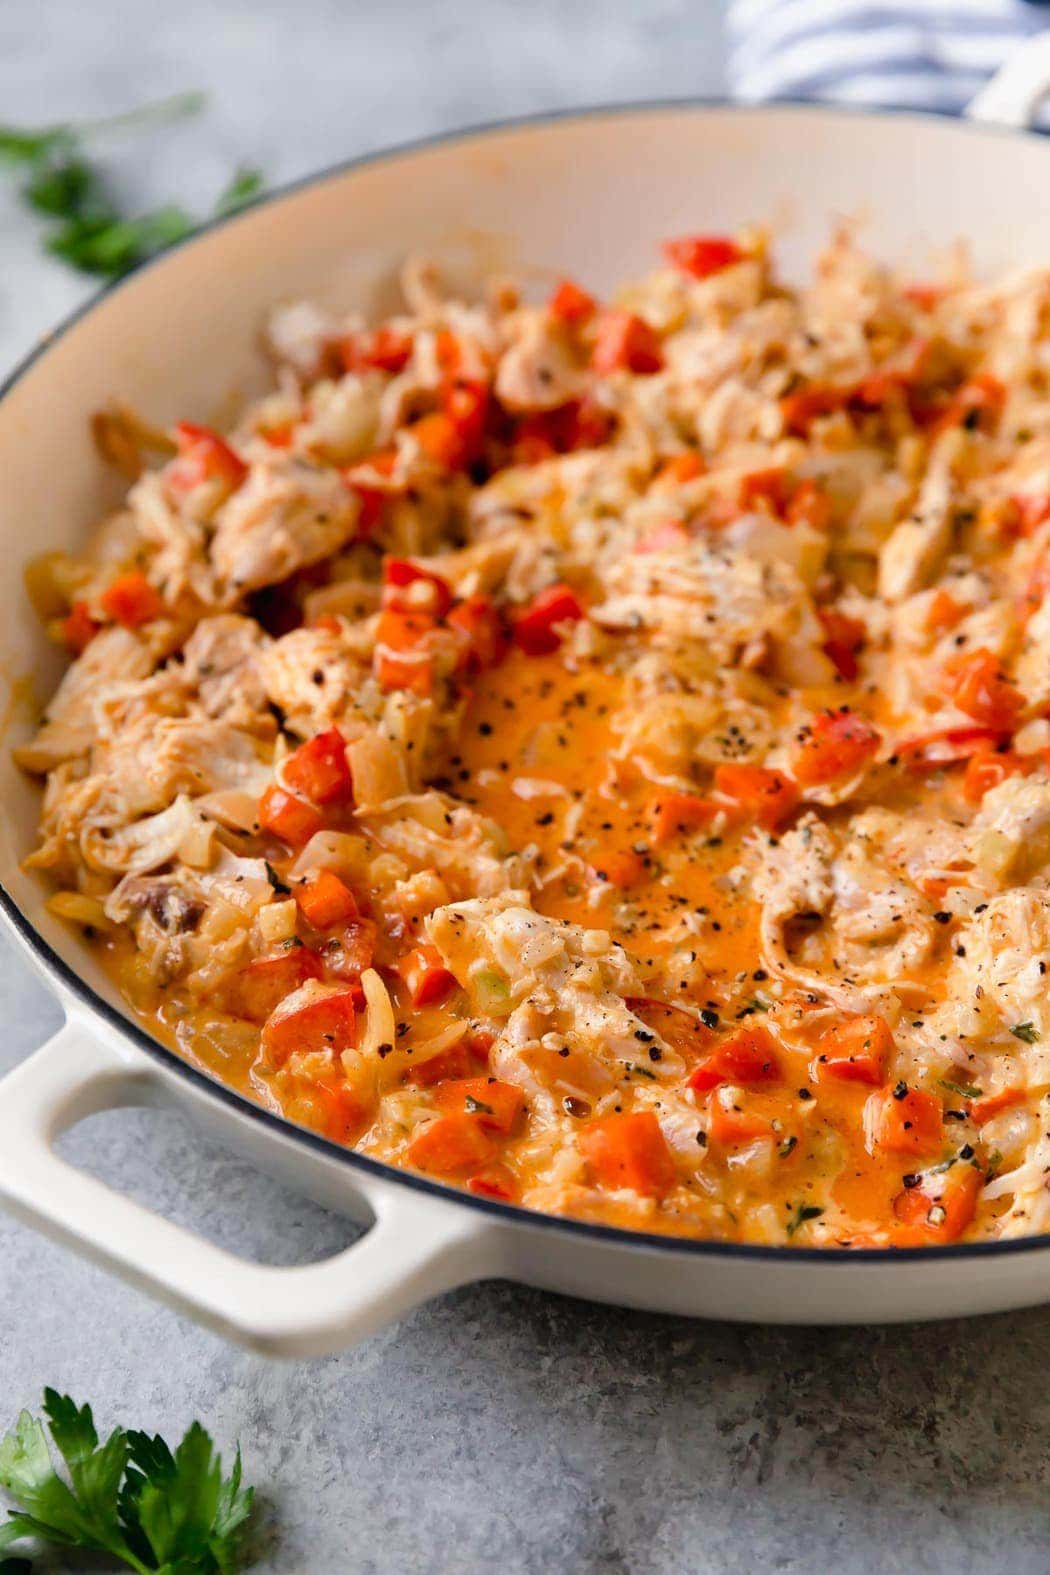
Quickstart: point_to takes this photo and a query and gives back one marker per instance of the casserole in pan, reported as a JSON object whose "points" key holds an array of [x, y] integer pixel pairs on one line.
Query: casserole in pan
{"points": [[341, 239]]}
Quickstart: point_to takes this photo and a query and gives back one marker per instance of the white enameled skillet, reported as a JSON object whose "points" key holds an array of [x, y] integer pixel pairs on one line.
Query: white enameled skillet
{"points": [[588, 195]]}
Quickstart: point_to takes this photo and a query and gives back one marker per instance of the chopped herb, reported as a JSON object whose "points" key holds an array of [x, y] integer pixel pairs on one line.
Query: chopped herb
{"points": [[87, 229], [643, 1071], [802, 1215], [129, 1498], [788, 1145], [964, 1090], [1026, 1031], [476, 1107], [243, 188]]}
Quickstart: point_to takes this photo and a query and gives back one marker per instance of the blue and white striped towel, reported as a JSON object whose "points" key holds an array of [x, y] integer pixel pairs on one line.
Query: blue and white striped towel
{"points": [[927, 54]]}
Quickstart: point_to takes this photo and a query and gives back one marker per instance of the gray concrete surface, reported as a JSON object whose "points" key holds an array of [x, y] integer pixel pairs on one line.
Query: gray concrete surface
{"points": [[498, 1429]]}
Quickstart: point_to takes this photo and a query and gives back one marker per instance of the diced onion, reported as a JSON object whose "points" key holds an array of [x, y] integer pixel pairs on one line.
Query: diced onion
{"points": [[277, 921], [380, 1026], [378, 770], [79, 909], [332, 850]]}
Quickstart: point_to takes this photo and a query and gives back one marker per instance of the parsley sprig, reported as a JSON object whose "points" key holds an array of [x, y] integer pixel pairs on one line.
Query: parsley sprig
{"points": [[130, 1497], [85, 226]]}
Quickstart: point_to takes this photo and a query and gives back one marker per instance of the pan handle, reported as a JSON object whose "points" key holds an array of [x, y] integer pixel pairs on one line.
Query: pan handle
{"points": [[415, 1248], [1018, 88]]}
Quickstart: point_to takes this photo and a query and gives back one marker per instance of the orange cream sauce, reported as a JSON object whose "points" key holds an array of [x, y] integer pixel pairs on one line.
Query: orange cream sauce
{"points": [[538, 752], [533, 721]]}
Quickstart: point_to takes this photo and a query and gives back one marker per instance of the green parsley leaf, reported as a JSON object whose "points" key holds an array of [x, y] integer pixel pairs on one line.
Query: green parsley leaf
{"points": [[92, 234], [110, 246], [129, 1497], [60, 188], [1026, 1031], [964, 1090], [29, 147], [803, 1213], [245, 185]]}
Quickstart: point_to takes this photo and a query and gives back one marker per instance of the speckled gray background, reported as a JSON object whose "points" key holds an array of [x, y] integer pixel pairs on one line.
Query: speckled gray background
{"points": [[498, 1429]]}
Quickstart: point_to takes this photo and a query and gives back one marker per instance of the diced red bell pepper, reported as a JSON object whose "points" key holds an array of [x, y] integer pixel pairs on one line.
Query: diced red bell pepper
{"points": [[979, 687], [904, 1121], [314, 1017], [765, 490], [373, 499], [677, 471], [978, 403], [449, 1065], [536, 628], [800, 409], [748, 1056], [757, 792], [495, 1181], [203, 456], [673, 815], [1033, 510], [924, 296], [328, 1104], [986, 1106], [437, 436], [625, 343], [132, 600], [988, 767], [629, 1150], [351, 950], [580, 423], [497, 1105], [79, 628], [448, 352], [948, 747], [681, 1030], [571, 305], [426, 977], [939, 1208], [585, 424], [409, 588], [621, 867], [384, 349], [480, 621], [324, 900], [836, 745], [279, 436], [288, 817], [319, 770], [845, 638], [944, 611], [451, 1145], [534, 440], [703, 255], [261, 985], [402, 659], [856, 1050], [730, 1123], [809, 505], [466, 404]]}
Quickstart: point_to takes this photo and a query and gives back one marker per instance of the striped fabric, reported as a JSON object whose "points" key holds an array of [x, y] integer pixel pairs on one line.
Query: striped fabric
{"points": [[925, 54]]}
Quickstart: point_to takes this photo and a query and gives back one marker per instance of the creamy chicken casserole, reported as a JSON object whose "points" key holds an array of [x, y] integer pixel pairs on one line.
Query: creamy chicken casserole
{"points": [[596, 753]]}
